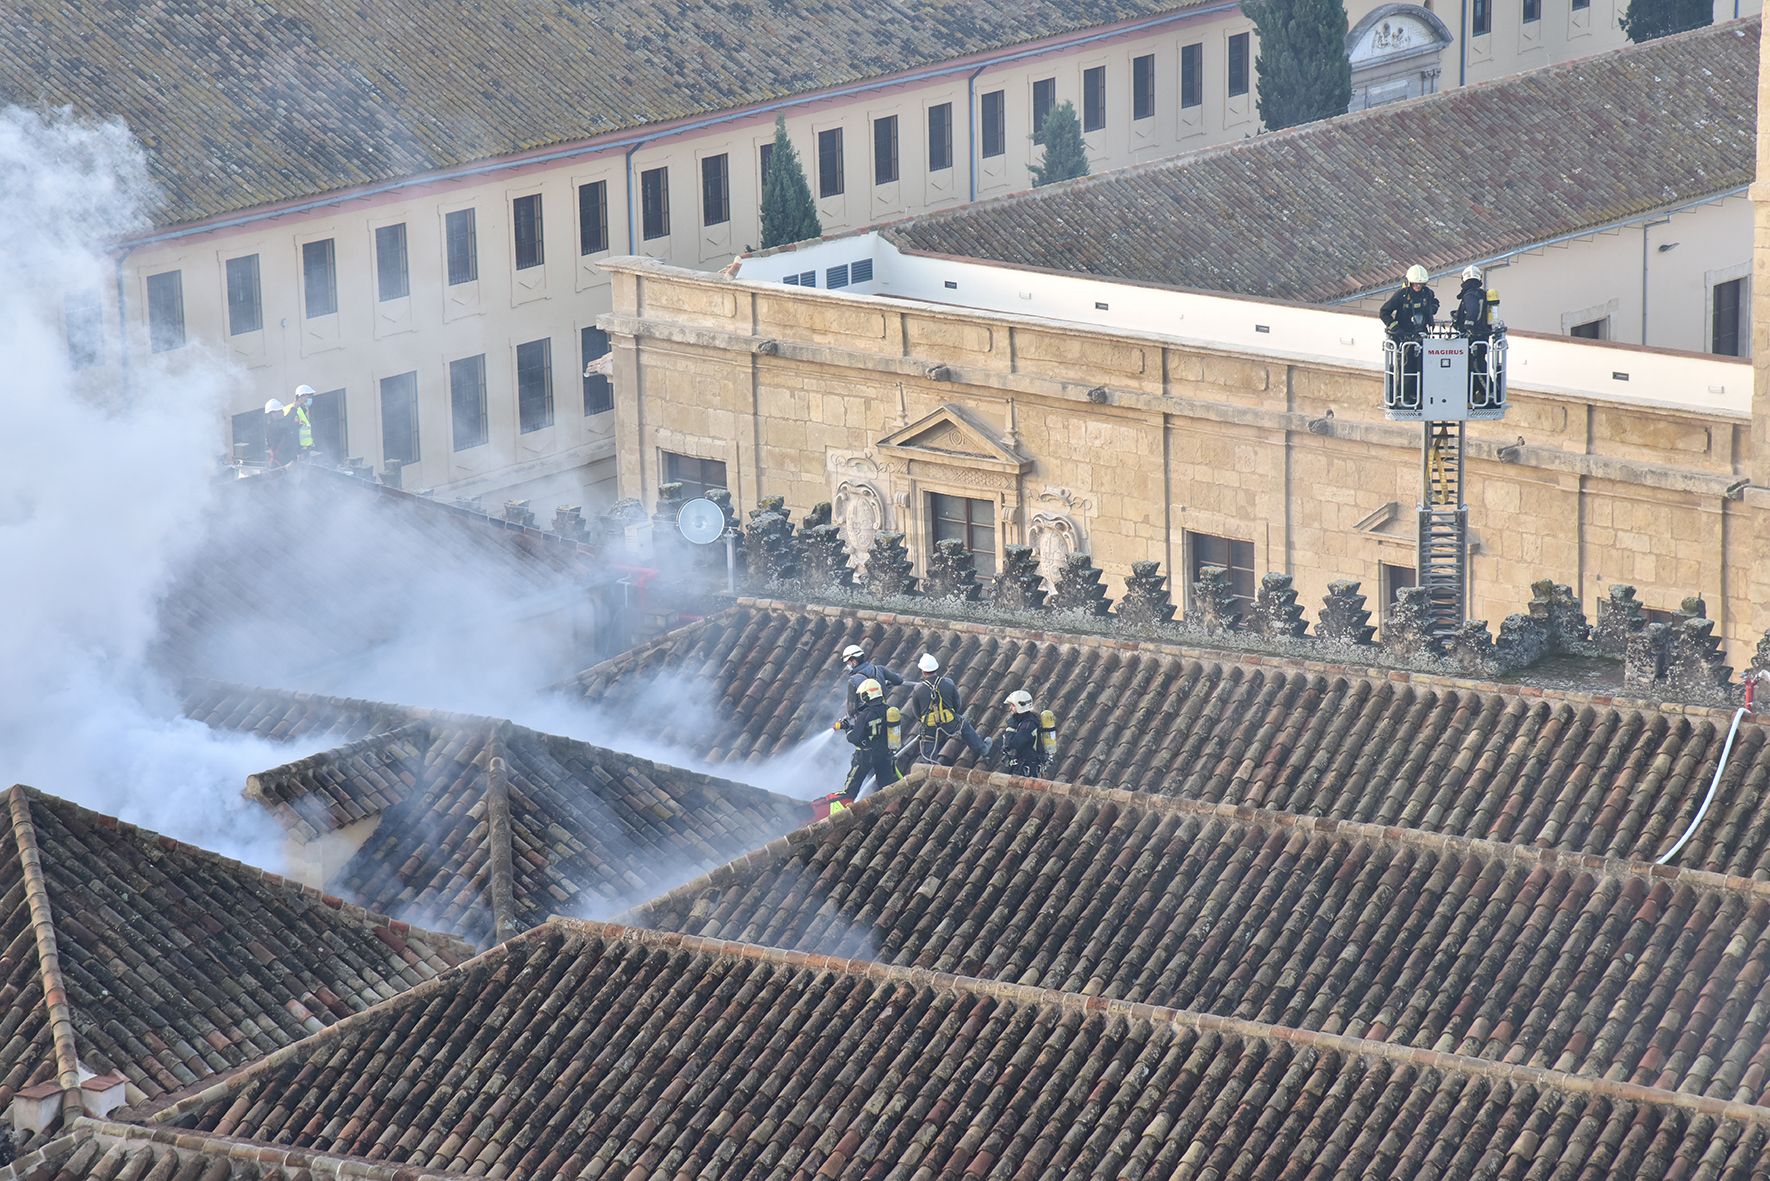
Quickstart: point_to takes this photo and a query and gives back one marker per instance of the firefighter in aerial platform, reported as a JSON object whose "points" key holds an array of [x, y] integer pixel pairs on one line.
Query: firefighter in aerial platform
{"points": [[1477, 309], [1030, 739], [1406, 316]]}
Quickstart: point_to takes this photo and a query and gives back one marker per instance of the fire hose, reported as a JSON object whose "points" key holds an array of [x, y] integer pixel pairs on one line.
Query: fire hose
{"points": [[1726, 749]]}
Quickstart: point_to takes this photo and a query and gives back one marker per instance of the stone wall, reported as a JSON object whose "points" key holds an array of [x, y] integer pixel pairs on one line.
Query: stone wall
{"points": [[1084, 441]]}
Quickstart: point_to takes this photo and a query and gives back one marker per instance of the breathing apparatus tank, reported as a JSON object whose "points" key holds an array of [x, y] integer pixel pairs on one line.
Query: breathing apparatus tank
{"points": [[894, 726], [1048, 733]]}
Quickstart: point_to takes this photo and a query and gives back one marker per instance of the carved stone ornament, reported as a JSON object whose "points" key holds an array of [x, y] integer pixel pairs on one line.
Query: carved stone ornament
{"points": [[1054, 538], [859, 511]]}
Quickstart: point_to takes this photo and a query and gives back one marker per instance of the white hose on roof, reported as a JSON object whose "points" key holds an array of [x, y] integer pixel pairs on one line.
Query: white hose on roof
{"points": [[1726, 749]]}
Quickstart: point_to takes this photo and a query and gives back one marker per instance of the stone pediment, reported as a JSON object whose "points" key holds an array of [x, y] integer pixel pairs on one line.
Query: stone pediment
{"points": [[952, 435]]}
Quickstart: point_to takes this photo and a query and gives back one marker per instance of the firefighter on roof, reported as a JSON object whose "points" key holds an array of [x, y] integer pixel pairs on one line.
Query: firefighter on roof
{"points": [[940, 712], [874, 731], [1030, 739]]}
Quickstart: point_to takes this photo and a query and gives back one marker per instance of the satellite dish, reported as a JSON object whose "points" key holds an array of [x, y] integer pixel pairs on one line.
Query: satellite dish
{"points": [[701, 521]]}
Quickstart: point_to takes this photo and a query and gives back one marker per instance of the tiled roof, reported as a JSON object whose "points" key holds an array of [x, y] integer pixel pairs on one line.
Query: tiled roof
{"points": [[127, 951], [1345, 205], [283, 715], [242, 104], [107, 1151], [1527, 766], [301, 573], [336, 788], [1468, 947], [501, 826], [581, 1050]]}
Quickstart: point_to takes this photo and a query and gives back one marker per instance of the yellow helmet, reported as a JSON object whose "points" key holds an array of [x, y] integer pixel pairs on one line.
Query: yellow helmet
{"points": [[871, 690]]}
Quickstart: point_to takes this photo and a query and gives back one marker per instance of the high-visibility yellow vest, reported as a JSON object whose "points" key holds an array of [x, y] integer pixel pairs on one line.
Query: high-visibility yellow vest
{"points": [[304, 428], [938, 713]]}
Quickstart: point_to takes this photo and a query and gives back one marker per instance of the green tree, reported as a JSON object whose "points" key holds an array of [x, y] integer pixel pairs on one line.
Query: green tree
{"points": [[1645, 20], [788, 214], [1065, 157], [1302, 70]]}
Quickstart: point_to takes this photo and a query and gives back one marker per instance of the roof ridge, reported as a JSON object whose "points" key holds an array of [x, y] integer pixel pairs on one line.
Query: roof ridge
{"points": [[55, 992], [1051, 1000], [261, 1151], [1279, 819], [359, 915], [1230, 657], [500, 855]]}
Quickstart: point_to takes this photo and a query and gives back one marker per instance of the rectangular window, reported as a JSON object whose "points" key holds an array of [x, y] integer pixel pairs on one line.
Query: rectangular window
{"points": [[245, 309], [697, 476], [1192, 76], [461, 230], [599, 395], [1238, 65], [1235, 556], [525, 220], [1729, 305], [715, 190], [534, 385], [861, 271], [391, 277], [165, 310], [467, 401], [1581, 5], [319, 277], [83, 320], [766, 155], [326, 413], [1480, 17], [1533, 11], [399, 418], [960, 518], [885, 150], [995, 124], [836, 277], [1592, 329], [250, 445], [1143, 86], [940, 137], [829, 163], [1044, 97], [1094, 98], [593, 217], [654, 203]]}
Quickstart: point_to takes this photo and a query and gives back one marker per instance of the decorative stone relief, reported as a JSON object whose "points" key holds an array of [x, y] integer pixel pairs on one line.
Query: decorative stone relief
{"points": [[1054, 538], [859, 512]]}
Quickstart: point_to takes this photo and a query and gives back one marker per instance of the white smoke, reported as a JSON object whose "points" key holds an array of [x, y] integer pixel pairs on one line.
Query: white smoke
{"points": [[102, 480]]}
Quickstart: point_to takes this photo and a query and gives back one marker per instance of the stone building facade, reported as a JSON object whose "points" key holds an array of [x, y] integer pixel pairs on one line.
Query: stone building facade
{"points": [[997, 429]]}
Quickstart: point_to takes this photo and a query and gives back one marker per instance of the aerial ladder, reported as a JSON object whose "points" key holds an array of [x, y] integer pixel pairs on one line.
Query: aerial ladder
{"points": [[1444, 379]]}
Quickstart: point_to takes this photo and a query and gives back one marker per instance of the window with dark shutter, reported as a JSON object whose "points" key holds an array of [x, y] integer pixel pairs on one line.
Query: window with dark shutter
{"points": [[392, 279], [1192, 76], [467, 401], [319, 277], [525, 214], [245, 309], [1094, 98], [1238, 65], [399, 418], [654, 203], [1143, 87], [165, 311], [593, 217], [995, 123], [534, 385], [1044, 98], [829, 163], [715, 190], [885, 150], [462, 233], [940, 137], [599, 394]]}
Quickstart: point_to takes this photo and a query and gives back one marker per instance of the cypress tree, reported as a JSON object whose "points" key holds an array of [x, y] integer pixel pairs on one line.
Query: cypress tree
{"points": [[1302, 70], [788, 214], [1645, 20], [1065, 157]]}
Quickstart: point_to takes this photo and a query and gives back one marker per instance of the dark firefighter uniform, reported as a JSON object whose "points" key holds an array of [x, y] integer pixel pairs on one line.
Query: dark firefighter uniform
{"points": [[940, 713], [864, 671], [1020, 744], [1470, 318], [1409, 312], [870, 732]]}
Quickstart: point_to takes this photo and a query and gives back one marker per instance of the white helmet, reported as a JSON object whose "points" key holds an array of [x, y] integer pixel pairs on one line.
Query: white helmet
{"points": [[1020, 699], [854, 652], [273, 407], [871, 690], [304, 391], [1472, 272], [928, 664], [1416, 274]]}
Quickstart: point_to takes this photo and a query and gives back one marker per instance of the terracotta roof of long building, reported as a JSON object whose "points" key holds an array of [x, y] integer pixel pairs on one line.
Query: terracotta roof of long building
{"points": [[125, 951], [591, 1050], [243, 104], [1343, 206], [1492, 951], [1536, 766]]}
